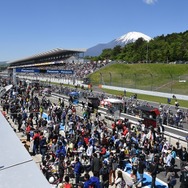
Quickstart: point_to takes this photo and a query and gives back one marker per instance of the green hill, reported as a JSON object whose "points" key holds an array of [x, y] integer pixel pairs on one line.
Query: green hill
{"points": [[171, 78]]}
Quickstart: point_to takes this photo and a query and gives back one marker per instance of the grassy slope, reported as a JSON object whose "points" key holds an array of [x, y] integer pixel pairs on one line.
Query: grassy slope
{"points": [[163, 75], [160, 71]]}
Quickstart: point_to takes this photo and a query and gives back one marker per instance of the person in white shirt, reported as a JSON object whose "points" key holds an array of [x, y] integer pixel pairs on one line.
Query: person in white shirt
{"points": [[119, 181], [89, 150], [168, 161]]}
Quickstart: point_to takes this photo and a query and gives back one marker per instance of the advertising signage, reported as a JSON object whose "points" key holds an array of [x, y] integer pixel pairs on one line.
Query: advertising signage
{"points": [[27, 70], [44, 71]]}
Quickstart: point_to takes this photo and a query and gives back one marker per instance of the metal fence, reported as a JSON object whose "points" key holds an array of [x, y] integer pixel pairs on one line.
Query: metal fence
{"points": [[167, 83]]}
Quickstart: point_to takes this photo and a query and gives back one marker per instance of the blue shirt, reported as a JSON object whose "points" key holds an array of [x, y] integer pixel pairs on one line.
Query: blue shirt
{"points": [[77, 167]]}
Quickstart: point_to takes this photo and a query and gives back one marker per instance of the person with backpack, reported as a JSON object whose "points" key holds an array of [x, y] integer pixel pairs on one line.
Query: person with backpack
{"points": [[171, 179], [119, 181]]}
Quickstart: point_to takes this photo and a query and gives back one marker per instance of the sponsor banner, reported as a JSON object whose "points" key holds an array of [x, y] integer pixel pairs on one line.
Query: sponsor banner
{"points": [[27, 70], [60, 71], [44, 71]]}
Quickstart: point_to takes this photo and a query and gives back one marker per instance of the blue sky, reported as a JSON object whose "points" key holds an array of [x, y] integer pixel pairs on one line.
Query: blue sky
{"points": [[32, 27]]}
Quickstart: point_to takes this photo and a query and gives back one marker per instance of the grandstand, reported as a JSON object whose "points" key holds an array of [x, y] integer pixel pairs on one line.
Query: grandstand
{"points": [[53, 59], [54, 56], [68, 65]]}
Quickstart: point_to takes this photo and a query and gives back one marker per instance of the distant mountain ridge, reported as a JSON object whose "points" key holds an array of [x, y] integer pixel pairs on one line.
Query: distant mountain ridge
{"points": [[3, 62], [121, 41]]}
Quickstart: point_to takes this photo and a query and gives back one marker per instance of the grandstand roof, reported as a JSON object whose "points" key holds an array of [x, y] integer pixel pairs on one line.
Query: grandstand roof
{"points": [[17, 167], [51, 55]]}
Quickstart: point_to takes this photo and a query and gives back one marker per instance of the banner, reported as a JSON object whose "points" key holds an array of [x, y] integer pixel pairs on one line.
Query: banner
{"points": [[44, 71]]}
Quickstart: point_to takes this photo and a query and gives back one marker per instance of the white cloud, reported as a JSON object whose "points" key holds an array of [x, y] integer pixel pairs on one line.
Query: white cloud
{"points": [[150, 1]]}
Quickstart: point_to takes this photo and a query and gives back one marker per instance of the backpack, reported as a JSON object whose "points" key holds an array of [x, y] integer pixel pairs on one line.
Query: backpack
{"points": [[173, 181]]}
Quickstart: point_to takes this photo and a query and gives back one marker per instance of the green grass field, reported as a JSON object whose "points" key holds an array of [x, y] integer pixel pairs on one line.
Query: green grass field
{"points": [[157, 77]]}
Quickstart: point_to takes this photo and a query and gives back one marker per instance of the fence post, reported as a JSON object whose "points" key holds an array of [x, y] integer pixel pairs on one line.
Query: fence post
{"points": [[110, 78], [100, 78], [122, 79], [171, 81], [151, 81], [135, 79]]}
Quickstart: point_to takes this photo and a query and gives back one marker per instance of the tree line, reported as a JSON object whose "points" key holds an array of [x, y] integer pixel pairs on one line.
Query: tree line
{"points": [[161, 49]]}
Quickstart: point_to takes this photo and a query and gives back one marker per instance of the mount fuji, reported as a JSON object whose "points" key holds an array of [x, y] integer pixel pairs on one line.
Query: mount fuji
{"points": [[121, 41]]}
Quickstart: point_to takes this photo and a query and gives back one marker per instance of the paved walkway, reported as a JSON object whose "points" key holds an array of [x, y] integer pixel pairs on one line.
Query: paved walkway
{"points": [[145, 92]]}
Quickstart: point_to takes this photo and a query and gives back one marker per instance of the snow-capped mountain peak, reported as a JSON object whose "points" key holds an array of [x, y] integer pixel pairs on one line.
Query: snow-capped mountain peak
{"points": [[132, 36], [121, 41]]}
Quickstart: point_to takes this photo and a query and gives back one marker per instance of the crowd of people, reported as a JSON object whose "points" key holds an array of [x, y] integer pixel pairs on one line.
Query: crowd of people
{"points": [[80, 69], [84, 151]]}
